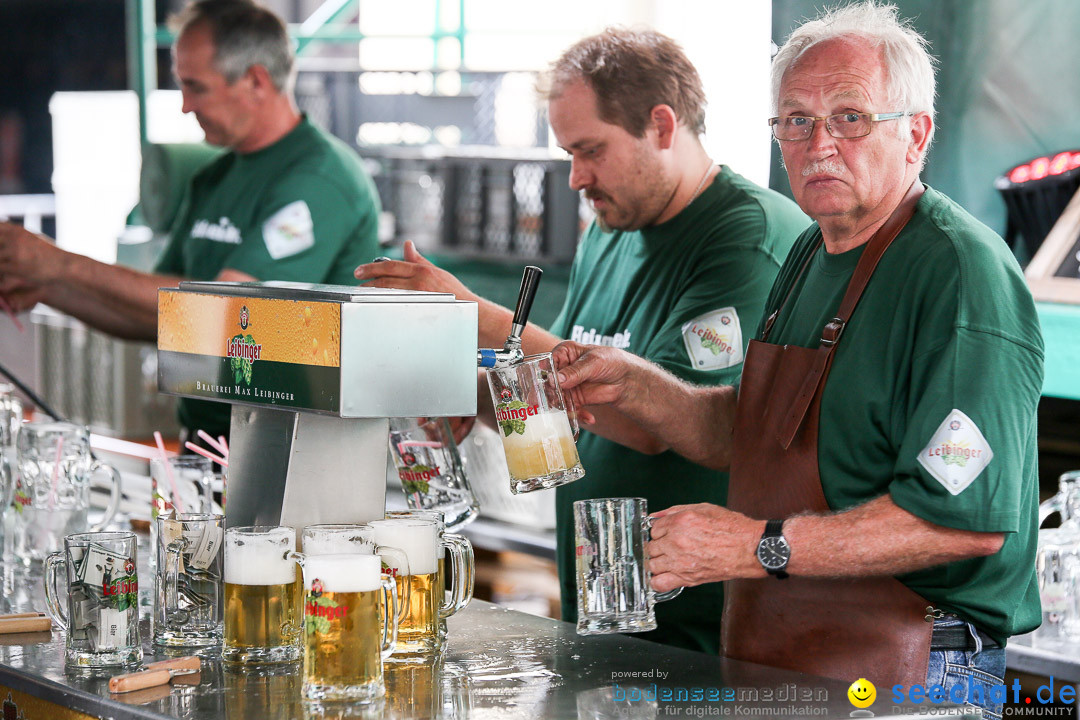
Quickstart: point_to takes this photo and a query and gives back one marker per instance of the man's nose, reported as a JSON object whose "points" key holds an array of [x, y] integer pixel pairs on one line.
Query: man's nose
{"points": [[820, 142], [580, 177]]}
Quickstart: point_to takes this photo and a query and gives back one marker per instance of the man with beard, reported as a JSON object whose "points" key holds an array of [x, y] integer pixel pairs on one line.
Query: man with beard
{"points": [[287, 201], [680, 257]]}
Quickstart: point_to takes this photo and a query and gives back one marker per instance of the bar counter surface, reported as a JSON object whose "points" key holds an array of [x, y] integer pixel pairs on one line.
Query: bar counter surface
{"points": [[497, 663]]}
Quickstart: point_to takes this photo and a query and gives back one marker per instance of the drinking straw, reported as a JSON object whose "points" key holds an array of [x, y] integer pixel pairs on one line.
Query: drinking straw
{"points": [[223, 449], [56, 471], [224, 446], [177, 505], [206, 454], [11, 314]]}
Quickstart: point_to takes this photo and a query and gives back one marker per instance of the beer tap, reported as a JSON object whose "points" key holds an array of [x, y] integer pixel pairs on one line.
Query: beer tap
{"points": [[511, 354]]}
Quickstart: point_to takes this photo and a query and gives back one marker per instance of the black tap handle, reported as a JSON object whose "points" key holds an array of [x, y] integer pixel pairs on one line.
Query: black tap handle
{"points": [[529, 282]]}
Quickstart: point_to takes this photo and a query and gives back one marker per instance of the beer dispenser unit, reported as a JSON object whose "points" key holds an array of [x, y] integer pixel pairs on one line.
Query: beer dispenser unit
{"points": [[313, 374]]}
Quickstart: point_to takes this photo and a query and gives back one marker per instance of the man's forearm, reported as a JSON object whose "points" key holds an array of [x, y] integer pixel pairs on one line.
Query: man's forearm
{"points": [[111, 298], [878, 538]]}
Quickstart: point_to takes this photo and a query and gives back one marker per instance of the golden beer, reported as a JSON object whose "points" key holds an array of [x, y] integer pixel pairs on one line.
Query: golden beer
{"points": [[263, 591], [262, 616], [544, 448], [418, 631], [343, 642]]}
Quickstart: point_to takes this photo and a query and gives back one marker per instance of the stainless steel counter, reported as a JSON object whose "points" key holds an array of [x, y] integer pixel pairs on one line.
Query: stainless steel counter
{"points": [[498, 664]]}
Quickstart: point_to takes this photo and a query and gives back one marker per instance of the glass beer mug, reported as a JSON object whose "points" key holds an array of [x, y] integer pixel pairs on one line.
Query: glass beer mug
{"points": [[1057, 566], [1066, 502], [188, 600], [53, 496], [350, 626], [614, 585], [537, 430], [418, 632], [102, 619], [432, 473], [263, 613]]}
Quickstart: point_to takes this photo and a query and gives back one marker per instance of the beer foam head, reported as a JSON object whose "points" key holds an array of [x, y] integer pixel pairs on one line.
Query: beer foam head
{"points": [[343, 573], [338, 540], [259, 556], [418, 538]]}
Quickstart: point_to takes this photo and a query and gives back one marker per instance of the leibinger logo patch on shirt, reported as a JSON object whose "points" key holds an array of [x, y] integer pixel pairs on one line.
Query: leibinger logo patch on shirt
{"points": [[714, 340], [591, 337], [289, 231], [957, 453], [221, 231]]}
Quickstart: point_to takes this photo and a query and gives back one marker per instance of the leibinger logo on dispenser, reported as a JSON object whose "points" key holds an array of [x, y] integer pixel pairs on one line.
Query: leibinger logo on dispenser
{"points": [[242, 351], [511, 414]]}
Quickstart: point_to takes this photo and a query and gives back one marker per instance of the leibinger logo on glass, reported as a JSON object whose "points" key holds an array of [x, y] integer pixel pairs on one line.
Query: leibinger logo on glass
{"points": [[511, 414], [714, 340], [320, 610], [415, 477]]}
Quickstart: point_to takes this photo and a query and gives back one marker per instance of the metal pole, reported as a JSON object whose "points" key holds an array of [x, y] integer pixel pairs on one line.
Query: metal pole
{"points": [[141, 54]]}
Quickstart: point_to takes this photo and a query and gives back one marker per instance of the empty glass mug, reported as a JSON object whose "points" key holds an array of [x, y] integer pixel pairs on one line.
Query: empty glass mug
{"points": [[350, 626], [102, 618], [537, 428], [189, 603], [192, 477], [53, 495], [263, 610], [614, 586], [1057, 566], [1066, 502], [431, 470], [419, 632]]}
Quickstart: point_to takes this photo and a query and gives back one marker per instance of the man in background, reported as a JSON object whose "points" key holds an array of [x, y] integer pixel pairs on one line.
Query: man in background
{"points": [[286, 201]]}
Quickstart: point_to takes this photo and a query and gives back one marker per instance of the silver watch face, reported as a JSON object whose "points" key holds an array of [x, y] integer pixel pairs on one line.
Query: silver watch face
{"points": [[773, 552]]}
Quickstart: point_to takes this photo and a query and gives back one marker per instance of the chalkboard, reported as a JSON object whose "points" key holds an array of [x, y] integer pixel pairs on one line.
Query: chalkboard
{"points": [[1054, 272]]}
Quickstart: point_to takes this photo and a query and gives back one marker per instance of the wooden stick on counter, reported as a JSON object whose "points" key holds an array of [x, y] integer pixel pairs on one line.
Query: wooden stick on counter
{"points": [[145, 679], [24, 624], [188, 662]]}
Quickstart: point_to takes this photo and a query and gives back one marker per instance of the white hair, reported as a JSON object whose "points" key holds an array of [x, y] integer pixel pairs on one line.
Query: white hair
{"points": [[909, 67]]}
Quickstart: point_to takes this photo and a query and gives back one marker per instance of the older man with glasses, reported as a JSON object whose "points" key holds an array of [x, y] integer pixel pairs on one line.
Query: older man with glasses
{"points": [[881, 518]]}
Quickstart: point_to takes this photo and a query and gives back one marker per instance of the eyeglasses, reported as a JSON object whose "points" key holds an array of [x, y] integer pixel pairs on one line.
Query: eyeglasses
{"points": [[844, 125]]}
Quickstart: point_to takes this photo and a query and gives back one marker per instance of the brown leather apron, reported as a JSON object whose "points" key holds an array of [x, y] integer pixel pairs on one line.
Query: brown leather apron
{"points": [[838, 628]]}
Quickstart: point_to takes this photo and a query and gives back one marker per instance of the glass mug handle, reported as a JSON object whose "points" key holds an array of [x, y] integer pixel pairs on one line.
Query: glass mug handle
{"points": [[646, 524], [1054, 505], [172, 576], [462, 562], [571, 413], [401, 562], [114, 500], [391, 611], [52, 604]]}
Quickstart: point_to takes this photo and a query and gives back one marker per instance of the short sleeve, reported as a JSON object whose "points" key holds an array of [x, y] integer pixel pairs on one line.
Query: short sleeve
{"points": [[969, 433], [302, 227]]}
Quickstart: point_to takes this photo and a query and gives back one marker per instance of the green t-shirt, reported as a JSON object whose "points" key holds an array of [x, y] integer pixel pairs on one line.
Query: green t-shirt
{"points": [[303, 209], [932, 398], [684, 294]]}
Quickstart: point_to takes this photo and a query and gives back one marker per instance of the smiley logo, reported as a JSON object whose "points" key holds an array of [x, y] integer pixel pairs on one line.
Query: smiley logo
{"points": [[862, 693]]}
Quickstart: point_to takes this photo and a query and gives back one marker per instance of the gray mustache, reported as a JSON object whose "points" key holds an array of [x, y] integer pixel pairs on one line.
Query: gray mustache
{"points": [[826, 167]]}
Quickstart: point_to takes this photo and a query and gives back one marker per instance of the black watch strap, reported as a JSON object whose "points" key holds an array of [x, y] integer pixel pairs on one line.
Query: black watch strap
{"points": [[774, 528]]}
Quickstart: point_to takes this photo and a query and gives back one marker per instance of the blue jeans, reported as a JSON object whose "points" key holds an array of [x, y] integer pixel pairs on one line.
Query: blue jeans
{"points": [[973, 669]]}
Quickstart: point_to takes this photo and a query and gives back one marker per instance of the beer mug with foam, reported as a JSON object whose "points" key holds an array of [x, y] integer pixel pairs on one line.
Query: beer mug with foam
{"points": [[614, 586], [102, 619], [53, 494], [342, 539], [188, 597], [263, 610], [461, 540], [350, 626], [418, 633], [537, 431]]}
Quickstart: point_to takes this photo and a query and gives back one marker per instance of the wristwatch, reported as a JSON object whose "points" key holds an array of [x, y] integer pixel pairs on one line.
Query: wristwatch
{"points": [[773, 551]]}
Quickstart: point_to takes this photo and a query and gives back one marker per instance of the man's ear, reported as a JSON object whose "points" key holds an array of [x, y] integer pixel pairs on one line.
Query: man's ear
{"points": [[664, 123], [921, 125], [258, 78]]}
